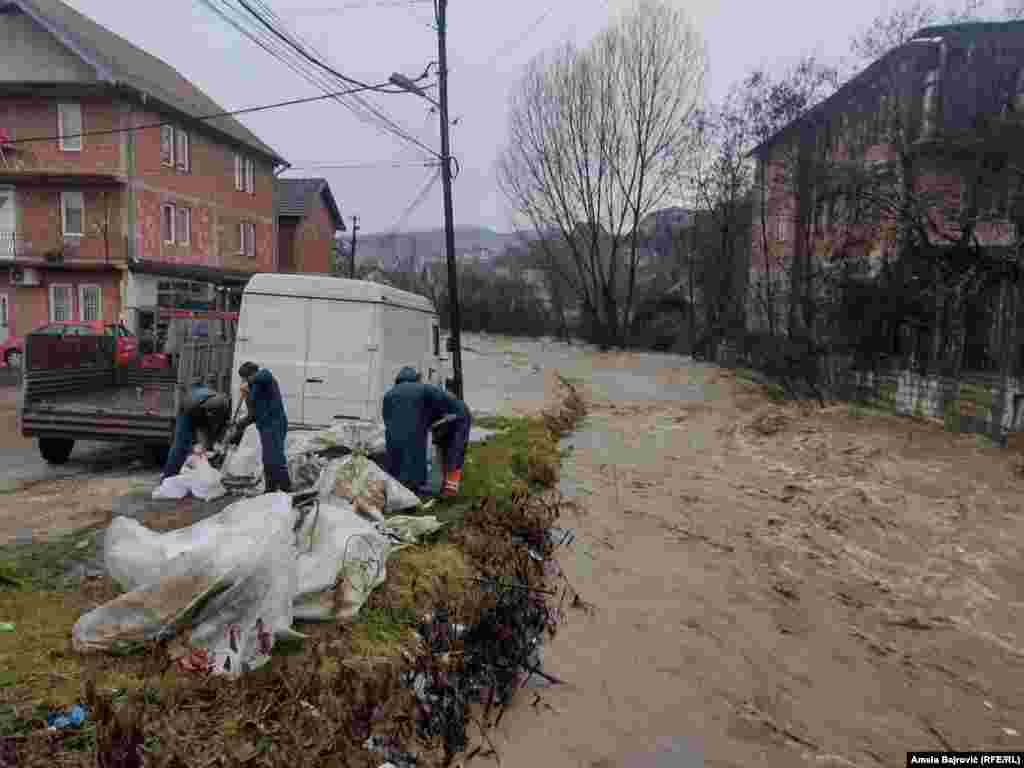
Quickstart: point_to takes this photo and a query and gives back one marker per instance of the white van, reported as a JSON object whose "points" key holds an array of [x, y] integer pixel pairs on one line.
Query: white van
{"points": [[334, 345]]}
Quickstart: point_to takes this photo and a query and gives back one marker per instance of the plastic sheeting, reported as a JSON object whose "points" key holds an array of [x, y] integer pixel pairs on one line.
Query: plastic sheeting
{"points": [[239, 578], [230, 579], [369, 489]]}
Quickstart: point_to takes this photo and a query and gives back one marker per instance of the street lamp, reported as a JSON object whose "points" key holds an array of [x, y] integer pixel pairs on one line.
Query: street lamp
{"points": [[406, 84], [403, 82]]}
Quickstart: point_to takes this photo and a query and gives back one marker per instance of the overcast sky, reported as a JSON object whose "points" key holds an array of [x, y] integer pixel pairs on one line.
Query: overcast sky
{"points": [[370, 39]]}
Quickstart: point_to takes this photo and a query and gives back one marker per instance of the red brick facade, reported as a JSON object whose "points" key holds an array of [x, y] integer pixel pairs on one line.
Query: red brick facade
{"points": [[124, 185], [33, 303], [306, 245], [28, 118]]}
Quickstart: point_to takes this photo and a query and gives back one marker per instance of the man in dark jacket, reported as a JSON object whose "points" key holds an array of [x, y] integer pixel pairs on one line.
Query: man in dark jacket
{"points": [[202, 410], [410, 410], [265, 409]]}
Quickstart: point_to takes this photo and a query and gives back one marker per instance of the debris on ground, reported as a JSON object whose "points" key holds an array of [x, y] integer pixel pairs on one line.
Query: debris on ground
{"points": [[768, 424], [238, 579], [72, 718]]}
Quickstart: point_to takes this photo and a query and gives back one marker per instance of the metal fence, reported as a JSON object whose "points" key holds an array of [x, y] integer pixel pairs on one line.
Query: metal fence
{"points": [[207, 362], [974, 402]]}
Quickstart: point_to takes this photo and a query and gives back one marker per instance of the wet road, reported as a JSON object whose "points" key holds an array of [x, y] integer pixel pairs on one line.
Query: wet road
{"points": [[21, 464]]}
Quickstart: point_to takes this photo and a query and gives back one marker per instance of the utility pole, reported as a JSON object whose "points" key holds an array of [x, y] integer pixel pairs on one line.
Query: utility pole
{"points": [[446, 179], [352, 253]]}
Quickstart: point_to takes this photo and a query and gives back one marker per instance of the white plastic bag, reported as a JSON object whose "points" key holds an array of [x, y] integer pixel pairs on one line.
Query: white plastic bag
{"points": [[196, 477], [246, 462], [230, 578]]}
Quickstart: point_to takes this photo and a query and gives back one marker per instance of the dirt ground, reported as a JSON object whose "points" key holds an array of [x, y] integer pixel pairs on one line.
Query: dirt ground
{"points": [[781, 586]]}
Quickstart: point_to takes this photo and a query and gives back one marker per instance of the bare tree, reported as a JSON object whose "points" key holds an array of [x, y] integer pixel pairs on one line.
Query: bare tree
{"points": [[896, 27], [597, 135]]}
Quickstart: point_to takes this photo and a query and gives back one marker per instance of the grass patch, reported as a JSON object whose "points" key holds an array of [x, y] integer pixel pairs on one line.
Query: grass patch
{"points": [[951, 416], [745, 374], [980, 396], [44, 565], [986, 441], [775, 392]]}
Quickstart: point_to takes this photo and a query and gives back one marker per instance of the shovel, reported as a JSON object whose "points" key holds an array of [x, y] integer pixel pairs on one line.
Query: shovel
{"points": [[228, 450]]}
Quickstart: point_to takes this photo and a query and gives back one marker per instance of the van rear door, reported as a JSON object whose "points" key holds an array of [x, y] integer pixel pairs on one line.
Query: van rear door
{"points": [[342, 347], [274, 333]]}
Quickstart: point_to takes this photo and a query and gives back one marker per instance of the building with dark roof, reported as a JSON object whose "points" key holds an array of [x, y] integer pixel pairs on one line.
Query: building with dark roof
{"points": [[923, 141], [116, 193], [308, 220]]}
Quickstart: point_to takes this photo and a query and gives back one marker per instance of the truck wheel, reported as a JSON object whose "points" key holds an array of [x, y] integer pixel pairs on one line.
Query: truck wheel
{"points": [[158, 454], [56, 450]]}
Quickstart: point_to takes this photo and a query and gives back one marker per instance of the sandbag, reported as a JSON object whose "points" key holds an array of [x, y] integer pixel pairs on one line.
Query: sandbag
{"points": [[246, 462], [343, 558], [369, 489], [230, 579], [197, 477]]}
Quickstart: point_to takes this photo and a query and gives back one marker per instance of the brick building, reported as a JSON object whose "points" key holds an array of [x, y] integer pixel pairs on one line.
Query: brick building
{"points": [[934, 125], [308, 220], [164, 208]]}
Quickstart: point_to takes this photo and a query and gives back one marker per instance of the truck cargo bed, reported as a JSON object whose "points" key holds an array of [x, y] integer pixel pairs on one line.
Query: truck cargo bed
{"points": [[150, 399], [114, 413]]}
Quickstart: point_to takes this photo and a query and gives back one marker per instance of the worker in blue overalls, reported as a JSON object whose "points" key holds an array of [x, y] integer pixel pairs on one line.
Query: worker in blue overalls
{"points": [[265, 409], [202, 410], [411, 409]]}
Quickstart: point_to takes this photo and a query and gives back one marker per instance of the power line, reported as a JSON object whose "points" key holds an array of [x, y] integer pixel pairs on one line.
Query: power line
{"points": [[297, 46], [203, 118], [417, 201], [356, 6], [349, 166], [285, 55], [517, 41]]}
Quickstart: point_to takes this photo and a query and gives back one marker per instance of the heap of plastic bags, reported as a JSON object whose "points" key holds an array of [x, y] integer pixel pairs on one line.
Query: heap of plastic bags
{"points": [[229, 585]]}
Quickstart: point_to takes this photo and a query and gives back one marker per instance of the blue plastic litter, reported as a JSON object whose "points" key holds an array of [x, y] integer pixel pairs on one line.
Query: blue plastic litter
{"points": [[73, 718]]}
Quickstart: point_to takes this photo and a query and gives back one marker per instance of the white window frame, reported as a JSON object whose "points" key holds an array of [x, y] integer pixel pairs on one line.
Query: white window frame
{"points": [[74, 136], [239, 173], [182, 150], [164, 208], [183, 234], [81, 302], [53, 305], [167, 134], [64, 212], [246, 239]]}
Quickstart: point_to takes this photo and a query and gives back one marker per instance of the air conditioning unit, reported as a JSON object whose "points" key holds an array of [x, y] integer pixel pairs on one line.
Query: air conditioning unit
{"points": [[25, 277]]}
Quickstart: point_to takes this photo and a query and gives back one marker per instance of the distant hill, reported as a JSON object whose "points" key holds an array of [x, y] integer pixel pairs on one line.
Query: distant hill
{"points": [[419, 248]]}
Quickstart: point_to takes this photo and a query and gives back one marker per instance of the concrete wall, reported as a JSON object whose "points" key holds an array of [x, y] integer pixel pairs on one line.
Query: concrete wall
{"points": [[30, 53]]}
